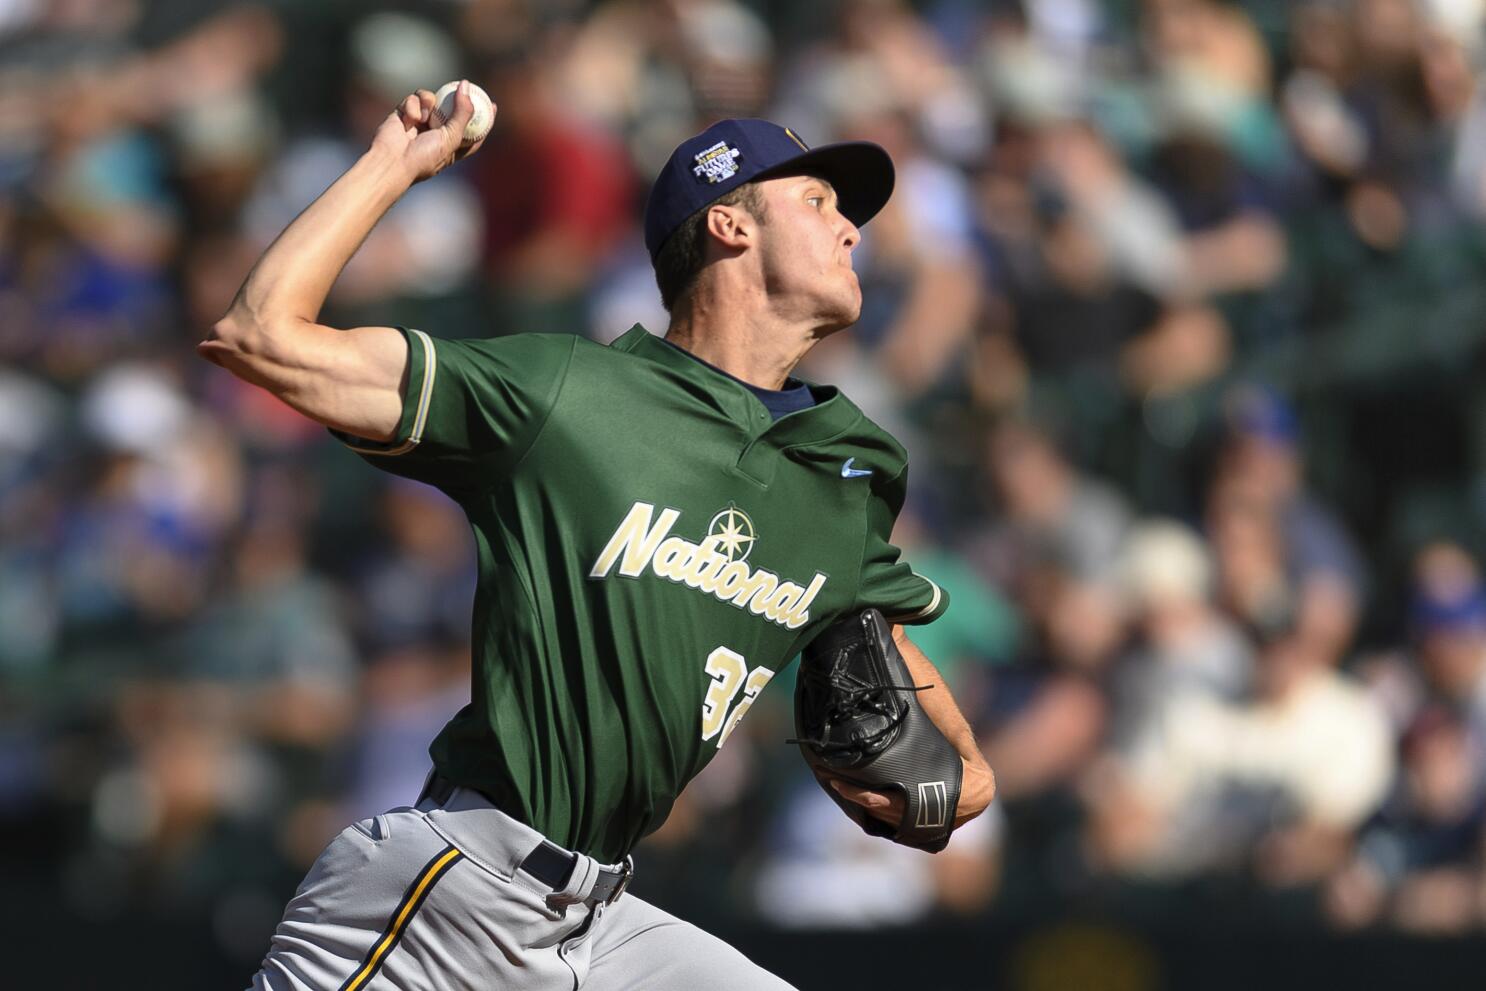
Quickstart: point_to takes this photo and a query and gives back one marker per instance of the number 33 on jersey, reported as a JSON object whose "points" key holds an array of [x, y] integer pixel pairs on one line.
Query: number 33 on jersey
{"points": [[729, 673], [716, 565]]}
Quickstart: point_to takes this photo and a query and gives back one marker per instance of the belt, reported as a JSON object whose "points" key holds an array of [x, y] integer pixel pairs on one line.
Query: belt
{"points": [[549, 863], [552, 865]]}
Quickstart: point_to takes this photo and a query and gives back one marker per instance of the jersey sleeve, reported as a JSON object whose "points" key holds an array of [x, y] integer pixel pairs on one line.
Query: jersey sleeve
{"points": [[471, 408], [888, 583]]}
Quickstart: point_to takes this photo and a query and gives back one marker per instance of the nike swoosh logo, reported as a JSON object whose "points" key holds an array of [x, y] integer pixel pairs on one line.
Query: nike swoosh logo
{"points": [[847, 471]]}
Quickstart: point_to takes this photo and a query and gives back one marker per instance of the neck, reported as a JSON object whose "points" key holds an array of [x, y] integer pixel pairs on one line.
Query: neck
{"points": [[740, 335]]}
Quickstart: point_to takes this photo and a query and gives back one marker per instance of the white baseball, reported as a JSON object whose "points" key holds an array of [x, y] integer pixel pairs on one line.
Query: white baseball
{"points": [[484, 116]]}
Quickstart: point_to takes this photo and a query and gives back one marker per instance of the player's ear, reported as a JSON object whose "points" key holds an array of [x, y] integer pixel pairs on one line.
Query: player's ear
{"points": [[732, 226]]}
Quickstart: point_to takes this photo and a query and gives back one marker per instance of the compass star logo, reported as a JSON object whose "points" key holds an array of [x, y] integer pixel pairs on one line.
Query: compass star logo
{"points": [[735, 533]]}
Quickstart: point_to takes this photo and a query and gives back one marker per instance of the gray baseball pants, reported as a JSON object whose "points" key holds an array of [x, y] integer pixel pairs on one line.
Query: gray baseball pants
{"points": [[433, 897]]}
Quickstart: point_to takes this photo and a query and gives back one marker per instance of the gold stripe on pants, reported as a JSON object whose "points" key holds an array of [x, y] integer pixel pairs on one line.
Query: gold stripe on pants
{"points": [[416, 894]]}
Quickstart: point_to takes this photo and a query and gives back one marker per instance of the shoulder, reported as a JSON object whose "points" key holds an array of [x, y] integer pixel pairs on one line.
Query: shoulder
{"points": [[534, 345], [872, 448], [526, 361], [861, 431]]}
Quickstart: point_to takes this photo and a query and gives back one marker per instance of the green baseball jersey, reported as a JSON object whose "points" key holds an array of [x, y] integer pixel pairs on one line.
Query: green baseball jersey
{"points": [[653, 547]]}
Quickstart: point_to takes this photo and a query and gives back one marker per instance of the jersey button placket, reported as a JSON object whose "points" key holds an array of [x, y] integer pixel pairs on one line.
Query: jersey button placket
{"points": [[757, 459]]}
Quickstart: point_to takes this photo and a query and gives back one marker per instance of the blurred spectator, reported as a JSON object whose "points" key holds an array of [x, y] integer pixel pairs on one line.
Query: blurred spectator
{"points": [[1183, 644], [221, 148], [1285, 558], [408, 694], [32, 419], [1444, 662], [1216, 40], [417, 587], [555, 192], [1283, 779], [1419, 862], [1048, 714], [274, 635], [1080, 249], [881, 46], [648, 71], [135, 552], [1055, 549], [1452, 658], [1047, 515], [184, 812], [1234, 241], [919, 286]]}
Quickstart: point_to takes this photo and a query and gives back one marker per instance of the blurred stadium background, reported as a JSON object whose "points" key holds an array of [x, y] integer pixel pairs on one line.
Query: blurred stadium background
{"points": [[1179, 308]]}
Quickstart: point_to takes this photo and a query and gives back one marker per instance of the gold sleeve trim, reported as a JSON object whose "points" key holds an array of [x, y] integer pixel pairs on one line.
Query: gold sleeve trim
{"points": [[425, 396], [927, 610]]}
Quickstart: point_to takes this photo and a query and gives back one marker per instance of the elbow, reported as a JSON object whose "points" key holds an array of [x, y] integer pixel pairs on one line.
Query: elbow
{"points": [[234, 332], [238, 337], [223, 342], [239, 333], [227, 337]]}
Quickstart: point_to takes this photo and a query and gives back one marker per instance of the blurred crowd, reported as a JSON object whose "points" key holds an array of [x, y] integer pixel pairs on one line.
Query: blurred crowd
{"points": [[1177, 308]]}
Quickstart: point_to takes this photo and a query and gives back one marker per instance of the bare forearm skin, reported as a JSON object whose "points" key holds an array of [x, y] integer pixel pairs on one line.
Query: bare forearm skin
{"points": [[979, 785], [937, 701], [295, 274], [344, 379]]}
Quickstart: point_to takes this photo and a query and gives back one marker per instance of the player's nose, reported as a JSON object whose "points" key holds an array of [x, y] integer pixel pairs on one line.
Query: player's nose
{"points": [[851, 236]]}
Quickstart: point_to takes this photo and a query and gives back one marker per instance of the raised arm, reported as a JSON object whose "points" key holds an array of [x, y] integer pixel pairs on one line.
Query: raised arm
{"points": [[350, 380]]}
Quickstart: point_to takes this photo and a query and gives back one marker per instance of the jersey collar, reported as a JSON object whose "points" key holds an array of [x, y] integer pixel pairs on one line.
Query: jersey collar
{"points": [[831, 416]]}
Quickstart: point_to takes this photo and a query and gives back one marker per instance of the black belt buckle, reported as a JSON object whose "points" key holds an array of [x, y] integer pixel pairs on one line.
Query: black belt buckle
{"points": [[626, 873]]}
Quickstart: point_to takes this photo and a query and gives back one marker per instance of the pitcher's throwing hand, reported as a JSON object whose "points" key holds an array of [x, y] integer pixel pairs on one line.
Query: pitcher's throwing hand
{"points": [[420, 138]]}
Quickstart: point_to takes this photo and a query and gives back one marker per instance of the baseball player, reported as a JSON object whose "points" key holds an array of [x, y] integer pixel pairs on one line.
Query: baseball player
{"points": [[661, 525]]}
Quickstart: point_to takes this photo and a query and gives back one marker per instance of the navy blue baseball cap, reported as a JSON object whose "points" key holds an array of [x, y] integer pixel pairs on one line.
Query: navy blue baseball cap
{"points": [[732, 152]]}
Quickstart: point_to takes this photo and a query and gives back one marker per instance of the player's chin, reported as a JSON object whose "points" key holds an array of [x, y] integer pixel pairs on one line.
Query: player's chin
{"points": [[841, 306], [839, 317]]}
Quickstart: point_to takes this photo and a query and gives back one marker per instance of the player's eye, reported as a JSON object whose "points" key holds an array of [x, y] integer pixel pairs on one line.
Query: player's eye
{"points": [[815, 201]]}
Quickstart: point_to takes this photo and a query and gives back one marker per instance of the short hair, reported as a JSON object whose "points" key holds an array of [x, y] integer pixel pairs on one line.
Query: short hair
{"points": [[680, 259]]}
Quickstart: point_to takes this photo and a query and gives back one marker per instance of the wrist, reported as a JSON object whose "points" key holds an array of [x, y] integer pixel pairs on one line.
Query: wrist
{"points": [[979, 779], [389, 173]]}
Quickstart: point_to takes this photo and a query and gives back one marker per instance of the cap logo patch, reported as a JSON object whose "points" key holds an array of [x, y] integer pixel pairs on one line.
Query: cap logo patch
{"points": [[717, 164]]}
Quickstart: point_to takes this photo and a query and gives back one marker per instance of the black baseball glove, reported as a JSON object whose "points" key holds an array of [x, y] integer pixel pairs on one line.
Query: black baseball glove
{"points": [[858, 721]]}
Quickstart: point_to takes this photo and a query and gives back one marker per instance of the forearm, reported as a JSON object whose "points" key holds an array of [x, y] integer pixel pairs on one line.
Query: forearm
{"points": [[978, 785], [346, 379], [936, 701], [292, 279]]}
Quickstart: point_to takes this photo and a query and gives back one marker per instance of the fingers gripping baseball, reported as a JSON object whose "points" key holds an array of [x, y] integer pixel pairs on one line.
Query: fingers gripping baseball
{"points": [[426, 140], [414, 110], [464, 111]]}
